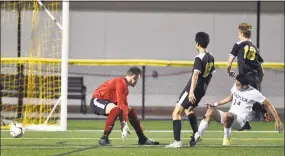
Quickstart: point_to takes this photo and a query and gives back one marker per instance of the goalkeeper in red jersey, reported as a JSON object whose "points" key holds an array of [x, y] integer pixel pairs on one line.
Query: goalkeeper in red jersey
{"points": [[110, 99]]}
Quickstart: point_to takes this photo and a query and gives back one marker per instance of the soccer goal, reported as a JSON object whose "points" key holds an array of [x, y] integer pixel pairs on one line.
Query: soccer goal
{"points": [[34, 63]]}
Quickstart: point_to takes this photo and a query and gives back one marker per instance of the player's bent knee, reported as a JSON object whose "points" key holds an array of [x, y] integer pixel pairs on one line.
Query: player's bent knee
{"points": [[190, 112], [210, 109], [208, 115], [209, 112], [187, 112], [177, 112], [132, 110], [109, 107], [226, 116], [228, 119], [132, 113], [174, 113]]}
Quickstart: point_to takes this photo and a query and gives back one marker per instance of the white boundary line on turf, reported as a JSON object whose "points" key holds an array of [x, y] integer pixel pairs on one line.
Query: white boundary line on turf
{"points": [[92, 138], [160, 131], [171, 131], [122, 146]]}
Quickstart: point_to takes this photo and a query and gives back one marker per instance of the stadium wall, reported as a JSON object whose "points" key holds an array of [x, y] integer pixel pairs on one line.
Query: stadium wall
{"points": [[160, 30], [165, 30]]}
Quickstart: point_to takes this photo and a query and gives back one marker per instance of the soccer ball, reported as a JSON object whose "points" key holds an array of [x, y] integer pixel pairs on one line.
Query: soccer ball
{"points": [[16, 130]]}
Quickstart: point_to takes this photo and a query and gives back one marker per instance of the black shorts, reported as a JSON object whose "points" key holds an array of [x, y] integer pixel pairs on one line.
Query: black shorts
{"points": [[254, 80], [199, 93], [99, 106]]}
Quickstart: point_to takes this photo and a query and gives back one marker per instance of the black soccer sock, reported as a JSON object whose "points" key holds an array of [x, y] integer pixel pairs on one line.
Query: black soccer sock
{"points": [[177, 129], [193, 122], [135, 122]]}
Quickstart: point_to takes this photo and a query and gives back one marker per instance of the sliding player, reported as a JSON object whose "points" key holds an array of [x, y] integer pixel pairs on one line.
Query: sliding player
{"points": [[243, 96]]}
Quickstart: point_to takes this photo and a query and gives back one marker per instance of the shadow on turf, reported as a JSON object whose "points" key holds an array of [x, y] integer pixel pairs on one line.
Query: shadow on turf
{"points": [[74, 151]]}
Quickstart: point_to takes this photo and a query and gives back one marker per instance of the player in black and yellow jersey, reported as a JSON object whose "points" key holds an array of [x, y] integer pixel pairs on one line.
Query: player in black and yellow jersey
{"points": [[195, 89], [249, 62]]}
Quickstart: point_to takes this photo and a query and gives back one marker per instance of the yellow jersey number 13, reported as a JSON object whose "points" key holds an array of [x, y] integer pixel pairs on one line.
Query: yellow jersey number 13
{"points": [[208, 69]]}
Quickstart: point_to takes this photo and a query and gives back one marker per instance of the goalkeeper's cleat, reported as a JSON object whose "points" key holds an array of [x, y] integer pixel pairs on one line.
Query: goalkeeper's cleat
{"points": [[246, 126], [147, 141], [227, 142], [104, 141], [195, 139], [175, 144]]}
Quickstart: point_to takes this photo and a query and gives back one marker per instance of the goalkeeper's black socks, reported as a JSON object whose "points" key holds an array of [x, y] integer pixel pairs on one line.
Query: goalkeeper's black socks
{"points": [[193, 122], [104, 137], [177, 129], [135, 122], [141, 136]]}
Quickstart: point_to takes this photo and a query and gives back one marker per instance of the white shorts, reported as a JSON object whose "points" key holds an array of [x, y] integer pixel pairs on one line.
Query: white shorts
{"points": [[238, 123]]}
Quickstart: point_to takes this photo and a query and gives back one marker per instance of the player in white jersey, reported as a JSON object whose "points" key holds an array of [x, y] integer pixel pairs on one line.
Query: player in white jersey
{"points": [[243, 96]]}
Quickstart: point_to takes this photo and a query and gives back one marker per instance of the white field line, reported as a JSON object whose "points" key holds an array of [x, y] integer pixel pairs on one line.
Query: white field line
{"points": [[157, 131], [171, 131], [121, 146], [92, 138]]}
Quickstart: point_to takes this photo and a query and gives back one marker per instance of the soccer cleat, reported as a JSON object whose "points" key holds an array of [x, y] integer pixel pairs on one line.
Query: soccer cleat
{"points": [[148, 142], [104, 142], [227, 142], [196, 139], [246, 127], [192, 137], [175, 144]]}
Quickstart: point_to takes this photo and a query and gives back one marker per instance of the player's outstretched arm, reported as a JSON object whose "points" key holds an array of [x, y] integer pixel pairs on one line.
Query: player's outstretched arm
{"points": [[225, 100], [278, 124]]}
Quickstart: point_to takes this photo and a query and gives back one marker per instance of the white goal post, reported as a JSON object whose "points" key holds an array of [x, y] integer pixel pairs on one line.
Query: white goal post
{"points": [[62, 101]]}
